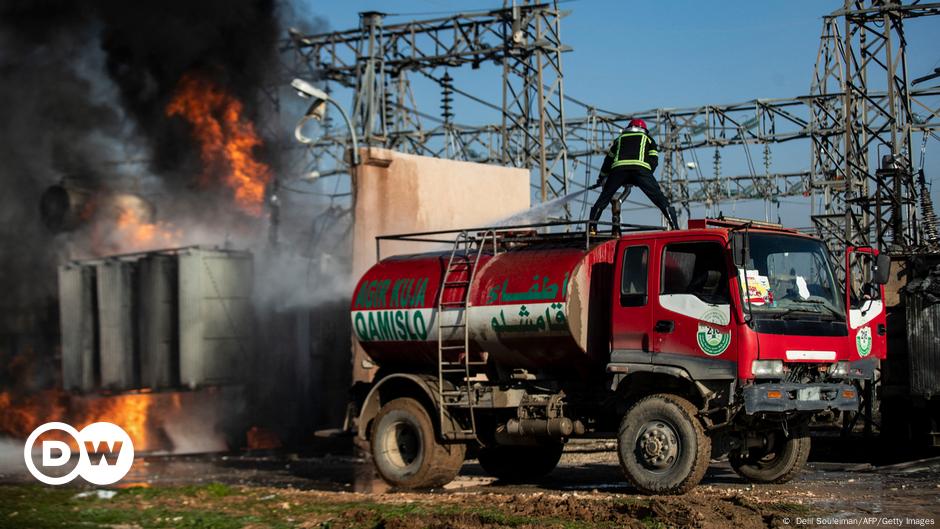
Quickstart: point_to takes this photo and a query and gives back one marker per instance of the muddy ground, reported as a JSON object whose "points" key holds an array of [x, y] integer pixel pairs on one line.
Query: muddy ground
{"points": [[586, 490]]}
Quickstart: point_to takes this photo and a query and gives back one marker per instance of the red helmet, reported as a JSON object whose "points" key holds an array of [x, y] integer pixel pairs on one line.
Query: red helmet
{"points": [[638, 123]]}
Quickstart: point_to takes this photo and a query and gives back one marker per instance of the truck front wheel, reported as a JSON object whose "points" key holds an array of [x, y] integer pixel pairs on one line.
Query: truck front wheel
{"points": [[519, 464], [778, 461], [406, 451], [662, 446]]}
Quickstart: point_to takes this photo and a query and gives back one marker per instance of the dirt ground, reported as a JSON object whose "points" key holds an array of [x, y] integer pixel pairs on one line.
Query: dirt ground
{"points": [[586, 490]]}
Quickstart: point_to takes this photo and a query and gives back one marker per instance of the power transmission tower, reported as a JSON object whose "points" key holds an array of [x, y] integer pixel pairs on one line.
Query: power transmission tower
{"points": [[523, 39], [864, 116]]}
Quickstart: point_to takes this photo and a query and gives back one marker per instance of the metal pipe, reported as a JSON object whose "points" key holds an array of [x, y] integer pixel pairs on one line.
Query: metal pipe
{"points": [[556, 427]]}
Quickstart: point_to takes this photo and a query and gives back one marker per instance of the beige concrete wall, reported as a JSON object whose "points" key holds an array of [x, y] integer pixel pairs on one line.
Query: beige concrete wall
{"points": [[399, 193]]}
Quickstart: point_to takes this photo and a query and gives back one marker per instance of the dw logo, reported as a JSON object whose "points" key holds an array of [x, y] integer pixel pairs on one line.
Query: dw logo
{"points": [[105, 453]]}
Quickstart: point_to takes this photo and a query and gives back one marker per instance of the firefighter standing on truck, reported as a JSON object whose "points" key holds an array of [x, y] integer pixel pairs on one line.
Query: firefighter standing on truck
{"points": [[631, 160]]}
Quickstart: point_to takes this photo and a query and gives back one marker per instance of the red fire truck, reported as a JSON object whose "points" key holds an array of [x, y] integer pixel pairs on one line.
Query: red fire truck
{"points": [[725, 338]]}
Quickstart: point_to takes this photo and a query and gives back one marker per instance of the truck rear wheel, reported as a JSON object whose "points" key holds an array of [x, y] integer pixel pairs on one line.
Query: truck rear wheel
{"points": [[662, 446], [779, 462], [519, 464], [406, 451]]}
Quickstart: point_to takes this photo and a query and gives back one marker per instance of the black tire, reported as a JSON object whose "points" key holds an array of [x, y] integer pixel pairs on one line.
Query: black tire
{"points": [[662, 446], [406, 451], [778, 463], [520, 464]]}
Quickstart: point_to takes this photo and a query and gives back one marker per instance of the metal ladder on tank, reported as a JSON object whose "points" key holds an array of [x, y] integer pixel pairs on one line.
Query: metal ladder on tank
{"points": [[463, 259]]}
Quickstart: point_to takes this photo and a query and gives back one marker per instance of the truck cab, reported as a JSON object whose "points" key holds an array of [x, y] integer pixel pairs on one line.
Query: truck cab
{"points": [[754, 315], [757, 304]]}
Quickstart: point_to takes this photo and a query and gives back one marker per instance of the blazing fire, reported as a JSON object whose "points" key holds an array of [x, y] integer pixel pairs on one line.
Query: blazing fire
{"points": [[176, 422], [21, 415], [127, 225], [226, 137], [139, 235], [259, 438]]}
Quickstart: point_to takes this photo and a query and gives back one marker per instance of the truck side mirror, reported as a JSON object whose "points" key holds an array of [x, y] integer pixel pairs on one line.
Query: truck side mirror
{"points": [[738, 250], [879, 272]]}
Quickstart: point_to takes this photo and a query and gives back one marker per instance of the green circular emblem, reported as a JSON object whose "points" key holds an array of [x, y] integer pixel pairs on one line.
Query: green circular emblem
{"points": [[863, 341], [712, 340]]}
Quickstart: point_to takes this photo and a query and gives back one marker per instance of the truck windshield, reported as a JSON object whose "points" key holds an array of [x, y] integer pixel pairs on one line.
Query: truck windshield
{"points": [[790, 277]]}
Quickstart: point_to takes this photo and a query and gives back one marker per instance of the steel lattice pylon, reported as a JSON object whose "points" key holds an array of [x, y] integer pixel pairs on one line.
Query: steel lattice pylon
{"points": [[863, 145], [533, 125], [376, 60]]}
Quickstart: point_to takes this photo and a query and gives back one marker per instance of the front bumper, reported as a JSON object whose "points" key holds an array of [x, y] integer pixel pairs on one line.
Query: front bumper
{"points": [[783, 397]]}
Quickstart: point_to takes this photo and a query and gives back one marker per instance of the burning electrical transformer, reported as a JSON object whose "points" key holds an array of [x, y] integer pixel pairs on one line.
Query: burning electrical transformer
{"points": [[155, 342], [117, 221], [138, 148], [147, 335], [158, 320]]}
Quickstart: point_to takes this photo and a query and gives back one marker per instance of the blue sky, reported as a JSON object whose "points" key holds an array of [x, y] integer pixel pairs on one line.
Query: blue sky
{"points": [[633, 56]]}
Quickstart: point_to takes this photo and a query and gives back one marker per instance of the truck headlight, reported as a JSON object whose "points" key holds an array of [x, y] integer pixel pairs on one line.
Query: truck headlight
{"points": [[839, 369], [767, 368]]}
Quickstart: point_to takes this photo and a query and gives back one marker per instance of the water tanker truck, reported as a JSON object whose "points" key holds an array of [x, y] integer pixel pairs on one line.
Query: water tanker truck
{"points": [[726, 338]]}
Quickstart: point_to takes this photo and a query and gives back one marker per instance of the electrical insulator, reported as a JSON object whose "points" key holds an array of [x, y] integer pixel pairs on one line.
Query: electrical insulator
{"points": [[446, 97]]}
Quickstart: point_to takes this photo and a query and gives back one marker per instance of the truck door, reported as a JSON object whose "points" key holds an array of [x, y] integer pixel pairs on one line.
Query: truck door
{"points": [[692, 312], [865, 303], [630, 317]]}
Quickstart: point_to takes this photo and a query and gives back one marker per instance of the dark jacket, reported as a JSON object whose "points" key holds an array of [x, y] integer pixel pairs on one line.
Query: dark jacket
{"points": [[634, 148]]}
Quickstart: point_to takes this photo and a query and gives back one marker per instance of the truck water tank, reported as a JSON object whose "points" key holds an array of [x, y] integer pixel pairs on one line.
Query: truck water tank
{"points": [[536, 307]]}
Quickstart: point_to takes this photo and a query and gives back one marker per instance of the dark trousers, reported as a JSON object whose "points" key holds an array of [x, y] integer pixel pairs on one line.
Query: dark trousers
{"points": [[634, 177]]}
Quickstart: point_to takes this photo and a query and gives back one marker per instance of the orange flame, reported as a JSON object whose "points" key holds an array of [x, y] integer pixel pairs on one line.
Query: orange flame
{"points": [[259, 438], [136, 234], [177, 422], [129, 412], [19, 416], [226, 139]]}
